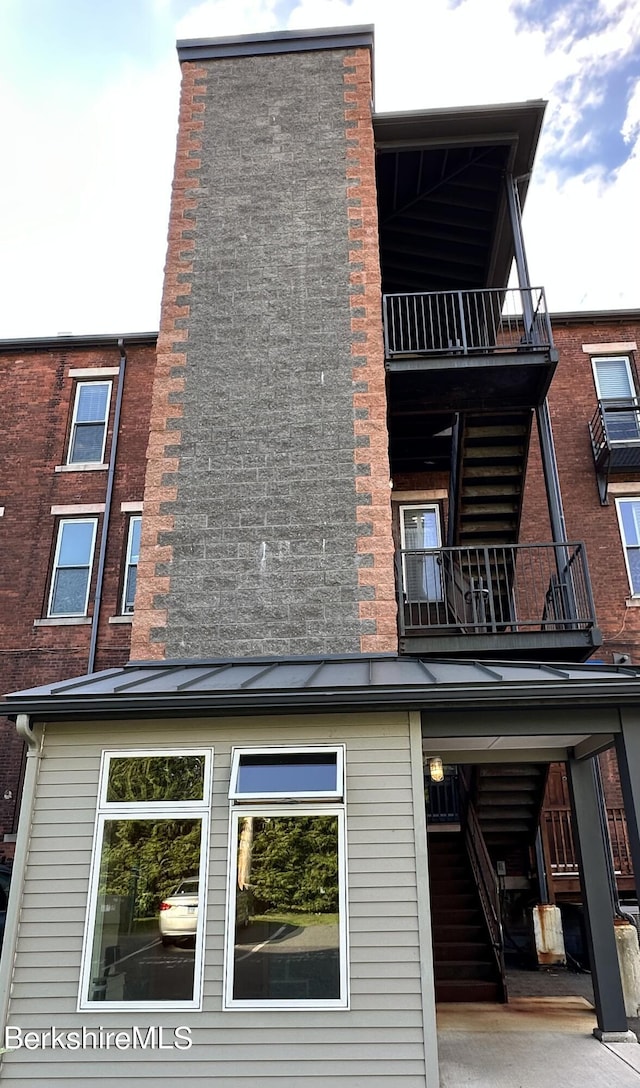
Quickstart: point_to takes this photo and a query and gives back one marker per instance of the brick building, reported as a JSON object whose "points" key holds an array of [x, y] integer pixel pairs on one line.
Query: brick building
{"points": [[356, 578], [58, 473]]}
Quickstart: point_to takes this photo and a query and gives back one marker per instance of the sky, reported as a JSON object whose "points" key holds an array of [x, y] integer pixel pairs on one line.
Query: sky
{"points": [[88, 113]]}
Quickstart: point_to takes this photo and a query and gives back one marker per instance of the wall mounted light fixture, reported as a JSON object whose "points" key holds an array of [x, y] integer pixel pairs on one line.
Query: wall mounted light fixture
{"points": [[436, 770]]}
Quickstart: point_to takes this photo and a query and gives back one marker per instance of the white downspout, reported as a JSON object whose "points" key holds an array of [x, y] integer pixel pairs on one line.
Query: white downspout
{"points": [[33, 742]]}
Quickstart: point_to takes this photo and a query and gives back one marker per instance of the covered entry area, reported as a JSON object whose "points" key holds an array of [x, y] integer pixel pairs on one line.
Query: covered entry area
{"points": [[512, 740]]}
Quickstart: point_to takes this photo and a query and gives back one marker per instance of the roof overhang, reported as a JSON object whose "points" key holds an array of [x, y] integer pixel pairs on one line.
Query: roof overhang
{"points": [[469, 198], [336, 684]]}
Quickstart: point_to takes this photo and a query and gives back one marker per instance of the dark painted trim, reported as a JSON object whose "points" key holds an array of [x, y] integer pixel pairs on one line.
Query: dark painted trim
{"points": [[73, 343], [281, 41]]}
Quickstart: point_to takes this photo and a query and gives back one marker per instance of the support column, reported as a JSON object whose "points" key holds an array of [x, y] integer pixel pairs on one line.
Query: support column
{"points": [[628, 753], [607, 986]]}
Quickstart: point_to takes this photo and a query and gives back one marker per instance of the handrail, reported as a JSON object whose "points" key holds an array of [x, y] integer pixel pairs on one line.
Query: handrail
{"points": [[495, 589], [466, 322], [487, 885]]}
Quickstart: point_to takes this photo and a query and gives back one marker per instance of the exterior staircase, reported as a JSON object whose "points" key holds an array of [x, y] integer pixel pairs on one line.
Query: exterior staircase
{"points": [[507, 800], [491, 462], [465, 965]]}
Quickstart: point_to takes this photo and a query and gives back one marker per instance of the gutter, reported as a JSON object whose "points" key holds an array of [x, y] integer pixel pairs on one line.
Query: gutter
{"points": [[106, 517], [33, 742]]}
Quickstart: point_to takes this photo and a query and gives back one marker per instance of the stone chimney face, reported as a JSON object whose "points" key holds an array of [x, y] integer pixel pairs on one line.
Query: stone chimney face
{"points": [[267, 514]]}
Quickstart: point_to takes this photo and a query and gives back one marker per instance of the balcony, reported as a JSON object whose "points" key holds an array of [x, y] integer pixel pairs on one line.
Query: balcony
{"points": [[515, 601], [489, 347], [615, 439], [562, 860]]}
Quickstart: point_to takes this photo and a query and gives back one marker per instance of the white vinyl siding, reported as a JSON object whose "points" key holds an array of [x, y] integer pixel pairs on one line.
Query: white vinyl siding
{"points": [[378, 1041]]}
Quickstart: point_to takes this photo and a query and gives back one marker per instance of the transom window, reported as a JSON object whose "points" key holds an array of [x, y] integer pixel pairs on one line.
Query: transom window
{"points": [[145, 919], [629, 519], [89, 423], [131, 564], [71, 576], [287, 912]]}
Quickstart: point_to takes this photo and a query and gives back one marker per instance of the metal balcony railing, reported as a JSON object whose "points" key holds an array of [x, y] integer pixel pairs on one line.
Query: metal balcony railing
{"points": [[615, 439], [615, 422], [488, 590], [558, 828], [466, 322]]}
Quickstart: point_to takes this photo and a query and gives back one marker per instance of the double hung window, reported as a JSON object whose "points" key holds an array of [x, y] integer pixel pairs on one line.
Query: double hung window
{"points": [[629, 518], [131, 565], [143, 944], [71, 577], [287, 925], [89, 423]]}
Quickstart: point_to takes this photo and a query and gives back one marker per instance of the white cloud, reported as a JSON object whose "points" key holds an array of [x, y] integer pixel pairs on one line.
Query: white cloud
{"points": [[85, 199]]}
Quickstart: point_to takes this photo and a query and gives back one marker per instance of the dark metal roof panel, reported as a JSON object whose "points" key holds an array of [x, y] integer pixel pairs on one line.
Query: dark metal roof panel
{"points": [[280, 41], [240, 686]]}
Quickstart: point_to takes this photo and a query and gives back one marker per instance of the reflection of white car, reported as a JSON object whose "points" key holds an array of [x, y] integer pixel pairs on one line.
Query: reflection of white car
{"points": [[179, 912]]}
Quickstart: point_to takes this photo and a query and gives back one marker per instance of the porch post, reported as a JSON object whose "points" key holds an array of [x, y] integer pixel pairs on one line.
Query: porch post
{"points": [[590, 847], [628, 753]]}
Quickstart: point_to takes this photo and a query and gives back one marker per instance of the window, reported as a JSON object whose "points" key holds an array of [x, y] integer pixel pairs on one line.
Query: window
{"points": [[131, 565], [629, 518], [287, 920], [420, 532], [89, 424], [72, 567], [145, 920], [615, 388]]}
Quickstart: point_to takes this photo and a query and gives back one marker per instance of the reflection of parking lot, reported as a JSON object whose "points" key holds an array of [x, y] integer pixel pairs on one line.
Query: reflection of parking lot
{"points": [[145, 970], [282, 961]]}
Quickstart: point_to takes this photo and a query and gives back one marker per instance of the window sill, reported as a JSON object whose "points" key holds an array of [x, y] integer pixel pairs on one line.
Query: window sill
{"points": [[632, 602], [63, 621], [82, 466], [121, 619]]}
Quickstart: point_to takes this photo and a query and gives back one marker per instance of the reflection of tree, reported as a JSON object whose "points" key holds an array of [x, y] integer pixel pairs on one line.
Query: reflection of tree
{"points": [[159, 852], [294, 862], [156, 778]]}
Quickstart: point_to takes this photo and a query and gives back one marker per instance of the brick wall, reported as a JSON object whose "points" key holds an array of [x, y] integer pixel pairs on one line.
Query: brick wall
{"points": [[572, 402], [267, 525], [38, 396]]}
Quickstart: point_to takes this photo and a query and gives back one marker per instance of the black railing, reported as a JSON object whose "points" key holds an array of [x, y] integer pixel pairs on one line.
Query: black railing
{"points": [[466, 322], [443, 799], [615, 422], [506, 588]]}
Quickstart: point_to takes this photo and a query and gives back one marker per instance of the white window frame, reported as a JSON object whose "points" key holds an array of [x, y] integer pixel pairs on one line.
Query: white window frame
{"points": [[337, 794], [308, 804], [145, 810], [403, 544], [625, 546], [54, 570], [124, 610], [74, 423]]}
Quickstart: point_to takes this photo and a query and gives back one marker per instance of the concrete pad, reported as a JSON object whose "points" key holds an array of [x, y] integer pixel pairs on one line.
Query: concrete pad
{"points": [[539, 1042], [526, 1014], [542, 1060]]}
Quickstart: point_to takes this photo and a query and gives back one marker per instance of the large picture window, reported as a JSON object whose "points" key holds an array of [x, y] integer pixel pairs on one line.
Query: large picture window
{"points": [[143, 944], [287, 925]]}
